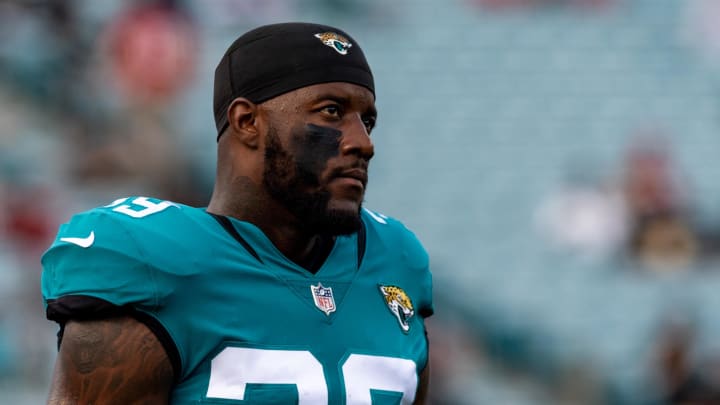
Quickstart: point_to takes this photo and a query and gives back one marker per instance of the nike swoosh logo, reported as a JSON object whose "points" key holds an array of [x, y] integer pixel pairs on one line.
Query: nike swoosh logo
{"points": [[82, 242]]}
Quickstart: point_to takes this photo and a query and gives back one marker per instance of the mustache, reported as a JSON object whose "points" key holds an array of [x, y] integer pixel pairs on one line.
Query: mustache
{"points": [[358, 170]]}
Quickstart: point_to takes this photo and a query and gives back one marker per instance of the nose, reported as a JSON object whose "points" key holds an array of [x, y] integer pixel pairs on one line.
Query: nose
{"points": [[356, 139]]}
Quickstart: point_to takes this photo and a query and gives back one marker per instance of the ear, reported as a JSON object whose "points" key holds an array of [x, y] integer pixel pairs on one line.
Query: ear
{"points": [[242, 120]]}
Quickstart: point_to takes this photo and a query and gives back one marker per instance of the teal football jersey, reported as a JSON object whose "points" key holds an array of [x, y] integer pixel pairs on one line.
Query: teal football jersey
{"points": [[241, 322]]}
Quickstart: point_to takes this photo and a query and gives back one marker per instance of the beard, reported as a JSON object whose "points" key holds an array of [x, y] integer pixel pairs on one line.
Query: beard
{"points": [[299, 190]]}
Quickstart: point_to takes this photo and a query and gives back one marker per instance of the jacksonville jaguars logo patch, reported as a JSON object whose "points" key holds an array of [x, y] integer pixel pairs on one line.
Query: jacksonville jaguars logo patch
{"points": [[399, 304], [335, 41]]}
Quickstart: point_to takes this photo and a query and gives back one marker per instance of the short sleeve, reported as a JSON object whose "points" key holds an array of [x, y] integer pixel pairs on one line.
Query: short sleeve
{"points": [[421, 267], [95, 255], [395, 237], [426, 306]]}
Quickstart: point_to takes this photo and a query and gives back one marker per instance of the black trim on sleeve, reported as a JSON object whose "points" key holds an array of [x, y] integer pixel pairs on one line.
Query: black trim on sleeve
{"points": [[227, 225], [82, 307], [165, 340], [426, 312], [85, 308]]}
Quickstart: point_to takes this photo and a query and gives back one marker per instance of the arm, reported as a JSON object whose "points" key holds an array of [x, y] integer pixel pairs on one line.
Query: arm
{"points": [[421, 395], [113, 361]]}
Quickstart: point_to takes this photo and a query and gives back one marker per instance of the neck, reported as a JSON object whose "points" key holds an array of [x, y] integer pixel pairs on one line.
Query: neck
{"points": [[250, 203]]}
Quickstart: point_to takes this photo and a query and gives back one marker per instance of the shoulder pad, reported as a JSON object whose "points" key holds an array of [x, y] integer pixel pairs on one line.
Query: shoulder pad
{"points": [[391, 240], [394, 233], [97, 254]]}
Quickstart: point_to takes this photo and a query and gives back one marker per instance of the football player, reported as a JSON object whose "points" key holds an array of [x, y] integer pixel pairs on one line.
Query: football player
{"points": [[284, 289]]}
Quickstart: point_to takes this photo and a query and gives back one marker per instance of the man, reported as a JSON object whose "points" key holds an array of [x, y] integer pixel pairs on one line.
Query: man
{"points": [[284, 289]]}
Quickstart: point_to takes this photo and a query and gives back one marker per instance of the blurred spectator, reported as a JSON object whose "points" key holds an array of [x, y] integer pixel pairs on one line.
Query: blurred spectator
{"points": [[584, 216], [646, 214], [678, 377], [151, 49], [664, 242], [650, 181], [136, 154], [29, 224], [662, 235]]}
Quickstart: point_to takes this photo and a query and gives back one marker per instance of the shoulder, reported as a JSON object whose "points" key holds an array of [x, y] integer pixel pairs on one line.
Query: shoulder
{"points": [[391, 245], [128, 212], [137, 212], [129, 215], [392, 233], [123, 225], [103, 251]]}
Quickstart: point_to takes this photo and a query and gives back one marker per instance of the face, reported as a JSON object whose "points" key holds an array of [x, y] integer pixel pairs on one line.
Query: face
{"points": [[317, 152]]}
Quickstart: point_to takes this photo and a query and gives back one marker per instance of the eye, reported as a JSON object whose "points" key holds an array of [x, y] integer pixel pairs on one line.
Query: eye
{"points": [[369, 122], [332, 110]]}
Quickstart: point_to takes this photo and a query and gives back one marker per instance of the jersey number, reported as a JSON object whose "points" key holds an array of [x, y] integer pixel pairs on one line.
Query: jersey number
{"points": [[235, 367], [139, 207]]}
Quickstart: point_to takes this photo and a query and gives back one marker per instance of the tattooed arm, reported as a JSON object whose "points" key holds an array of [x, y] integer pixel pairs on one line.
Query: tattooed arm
{"points": [[113, 361], [422, 392]]}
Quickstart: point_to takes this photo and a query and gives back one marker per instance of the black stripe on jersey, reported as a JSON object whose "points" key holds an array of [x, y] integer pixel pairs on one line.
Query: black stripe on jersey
{"points": [[361, 237], [85, 308], [225, 222]]}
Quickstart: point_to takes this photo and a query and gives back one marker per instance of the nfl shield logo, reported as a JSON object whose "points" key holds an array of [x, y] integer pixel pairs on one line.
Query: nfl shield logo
{"points": [[323, 297]]}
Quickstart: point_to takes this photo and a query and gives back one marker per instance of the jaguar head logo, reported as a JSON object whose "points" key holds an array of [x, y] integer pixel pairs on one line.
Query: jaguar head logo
{"points": [[335, 41], [399, 304]]}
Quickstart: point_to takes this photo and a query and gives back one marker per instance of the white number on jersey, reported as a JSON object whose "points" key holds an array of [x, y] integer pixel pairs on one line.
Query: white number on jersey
{"points": [[146, 207], [235, 367], [363, 373], [377, 216]]}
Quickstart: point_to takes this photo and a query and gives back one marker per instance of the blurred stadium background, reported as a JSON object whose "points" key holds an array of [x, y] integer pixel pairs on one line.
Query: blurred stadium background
{"points": [[559, 159]]}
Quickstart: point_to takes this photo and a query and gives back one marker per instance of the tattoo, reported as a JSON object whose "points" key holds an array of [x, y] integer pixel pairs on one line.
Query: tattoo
{"points": [[114, 361]]}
